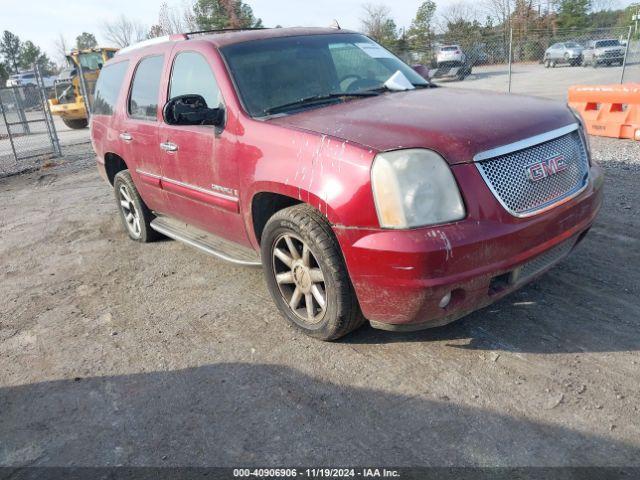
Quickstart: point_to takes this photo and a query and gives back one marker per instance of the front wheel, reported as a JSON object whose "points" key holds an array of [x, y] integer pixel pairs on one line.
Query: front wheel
{"points": [[306, 274]]}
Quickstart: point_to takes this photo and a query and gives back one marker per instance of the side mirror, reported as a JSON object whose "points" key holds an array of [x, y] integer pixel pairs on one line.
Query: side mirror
{"points": [[191, 110]]}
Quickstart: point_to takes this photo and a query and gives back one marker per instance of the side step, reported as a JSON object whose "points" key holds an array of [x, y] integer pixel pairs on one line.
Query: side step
{"points": [[206, 242]]}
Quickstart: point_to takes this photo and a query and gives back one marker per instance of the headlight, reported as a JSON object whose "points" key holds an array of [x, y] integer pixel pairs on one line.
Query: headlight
{"points": [[414, 188]]}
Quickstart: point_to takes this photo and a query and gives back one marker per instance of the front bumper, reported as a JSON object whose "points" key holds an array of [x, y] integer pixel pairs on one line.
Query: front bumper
{"points": [[400, 277]]}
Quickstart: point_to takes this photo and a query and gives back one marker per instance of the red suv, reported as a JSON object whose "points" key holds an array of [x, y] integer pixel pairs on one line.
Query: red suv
{"points": [[362, 190]]}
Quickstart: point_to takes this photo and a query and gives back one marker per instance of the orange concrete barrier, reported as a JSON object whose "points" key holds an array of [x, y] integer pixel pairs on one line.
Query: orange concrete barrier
{"points": [[608, 110]]}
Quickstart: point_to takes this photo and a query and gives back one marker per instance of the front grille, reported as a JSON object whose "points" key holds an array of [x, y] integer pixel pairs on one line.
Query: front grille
{"points": [[542, 261], [507, 175]]}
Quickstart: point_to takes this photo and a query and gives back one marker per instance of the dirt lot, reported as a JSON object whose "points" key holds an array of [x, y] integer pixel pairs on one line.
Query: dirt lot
{"points": [[118, 353]]}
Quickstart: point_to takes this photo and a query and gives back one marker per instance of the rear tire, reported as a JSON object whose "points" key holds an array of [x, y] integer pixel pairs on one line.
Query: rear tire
{"points": [[76, 124], [134, 213], [304, 269]]}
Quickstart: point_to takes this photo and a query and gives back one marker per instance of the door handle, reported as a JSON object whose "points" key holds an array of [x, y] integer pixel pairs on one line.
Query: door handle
{"points": [[126, 137], [168, 146]]}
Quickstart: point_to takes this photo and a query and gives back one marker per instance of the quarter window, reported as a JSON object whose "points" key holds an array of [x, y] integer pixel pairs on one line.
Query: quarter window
{"points": [[143, 103], [192, 75], [108, 88]]}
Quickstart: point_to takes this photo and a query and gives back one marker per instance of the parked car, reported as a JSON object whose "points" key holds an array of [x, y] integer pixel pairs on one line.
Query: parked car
{"points": [[364, 193], [603, 52], [450, 54], [451, 63], [23, 79], [567, 53]]}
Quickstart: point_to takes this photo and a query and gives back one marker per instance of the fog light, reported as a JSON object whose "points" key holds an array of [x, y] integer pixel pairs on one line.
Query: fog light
{"points": [[444, 301]]}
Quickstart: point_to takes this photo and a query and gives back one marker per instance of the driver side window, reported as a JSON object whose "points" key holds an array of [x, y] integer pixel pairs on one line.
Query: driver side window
{"points": [[192, 75]]}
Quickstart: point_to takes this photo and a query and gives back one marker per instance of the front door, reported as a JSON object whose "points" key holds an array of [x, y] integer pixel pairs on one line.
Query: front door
{"points": [[200, 174]]}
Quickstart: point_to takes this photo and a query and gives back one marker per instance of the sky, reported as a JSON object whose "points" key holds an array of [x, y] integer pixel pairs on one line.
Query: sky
{"points": [[43, 20]]}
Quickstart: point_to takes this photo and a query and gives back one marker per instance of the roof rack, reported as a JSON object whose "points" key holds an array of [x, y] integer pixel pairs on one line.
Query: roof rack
{"points": [[224, 30], [179, 36]]}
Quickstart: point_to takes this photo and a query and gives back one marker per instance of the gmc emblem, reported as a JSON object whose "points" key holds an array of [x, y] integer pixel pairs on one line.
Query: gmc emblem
{"points": [[539, 170]]}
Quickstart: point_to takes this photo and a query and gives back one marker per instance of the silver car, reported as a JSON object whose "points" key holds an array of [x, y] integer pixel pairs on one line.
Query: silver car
{"points": [[603, 52], [565, 52]]}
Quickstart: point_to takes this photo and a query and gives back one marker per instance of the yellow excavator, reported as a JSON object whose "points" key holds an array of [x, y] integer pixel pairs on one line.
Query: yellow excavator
{"points": [[68, 100]]}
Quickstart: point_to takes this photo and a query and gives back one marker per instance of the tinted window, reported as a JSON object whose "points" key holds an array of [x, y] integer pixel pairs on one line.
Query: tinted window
{"points": [[108, 87], [192, 75], [452, 48], [143, 102]]}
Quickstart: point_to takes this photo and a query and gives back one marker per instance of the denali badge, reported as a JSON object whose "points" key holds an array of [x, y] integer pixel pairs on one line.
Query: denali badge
{"points": [[546, 168]]}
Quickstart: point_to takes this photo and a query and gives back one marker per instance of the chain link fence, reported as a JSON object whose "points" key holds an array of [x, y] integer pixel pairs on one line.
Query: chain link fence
{"points": [[30, 135], [27, 130], [532, 62]]}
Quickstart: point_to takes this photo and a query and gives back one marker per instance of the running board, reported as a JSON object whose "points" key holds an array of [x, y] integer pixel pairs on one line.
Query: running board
{"points": [[207, 242]]}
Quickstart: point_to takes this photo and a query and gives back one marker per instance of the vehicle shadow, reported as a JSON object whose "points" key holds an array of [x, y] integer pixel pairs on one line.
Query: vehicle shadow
{"points": [[239, 414]]}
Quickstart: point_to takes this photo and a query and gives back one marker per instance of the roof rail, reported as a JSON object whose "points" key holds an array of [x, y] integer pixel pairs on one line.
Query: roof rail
{"points": [[152, 41], [180, 36], [224, 30]]}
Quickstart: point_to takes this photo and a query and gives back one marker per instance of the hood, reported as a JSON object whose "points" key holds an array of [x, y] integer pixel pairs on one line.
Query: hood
{"points": [[456, 123]]}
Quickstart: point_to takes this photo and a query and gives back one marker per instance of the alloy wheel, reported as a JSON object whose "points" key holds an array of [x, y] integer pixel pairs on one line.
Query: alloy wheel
{"points": [[129, 211], [299, 277]]}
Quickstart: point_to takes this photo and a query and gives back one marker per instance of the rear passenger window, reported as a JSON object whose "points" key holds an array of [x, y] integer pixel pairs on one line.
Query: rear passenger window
{"points": [[143, 102], [192, 75], [108, 88]]}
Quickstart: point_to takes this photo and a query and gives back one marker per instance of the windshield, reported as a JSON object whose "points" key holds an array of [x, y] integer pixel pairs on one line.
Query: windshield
{"points": [[281, 71], [572, 45], [608, 43]]}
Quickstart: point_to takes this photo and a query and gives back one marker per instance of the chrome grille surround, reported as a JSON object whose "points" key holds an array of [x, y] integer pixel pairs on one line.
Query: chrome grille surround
{"points": [[504, 171]]}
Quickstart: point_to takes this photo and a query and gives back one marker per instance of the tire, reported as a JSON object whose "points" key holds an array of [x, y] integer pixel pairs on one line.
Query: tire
{"points": [[136, 217], [553, 64], [75, 124], [323, 272], [547, 64]]}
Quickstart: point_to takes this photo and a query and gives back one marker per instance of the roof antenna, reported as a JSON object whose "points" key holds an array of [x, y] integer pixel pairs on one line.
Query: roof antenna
{"points": [[335, 25]]}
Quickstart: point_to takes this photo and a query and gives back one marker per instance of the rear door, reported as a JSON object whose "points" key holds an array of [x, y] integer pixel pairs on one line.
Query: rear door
{"points": [[138, 130], [199, 162]]}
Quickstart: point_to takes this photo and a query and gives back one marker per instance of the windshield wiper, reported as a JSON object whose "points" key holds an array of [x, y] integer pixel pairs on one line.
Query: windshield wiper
{"points": [[317, 99]]}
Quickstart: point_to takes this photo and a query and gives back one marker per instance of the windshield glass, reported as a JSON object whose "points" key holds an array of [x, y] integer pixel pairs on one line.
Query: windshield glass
{"points": [[572, 45], [280, 71], [608, 43]]}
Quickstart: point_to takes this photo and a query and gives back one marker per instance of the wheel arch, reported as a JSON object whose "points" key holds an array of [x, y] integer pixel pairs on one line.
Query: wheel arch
{"points": [[113, 163], [268, 200]]}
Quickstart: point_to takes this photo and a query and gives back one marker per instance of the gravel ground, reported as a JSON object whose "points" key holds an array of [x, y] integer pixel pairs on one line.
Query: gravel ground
{"points": [[115, 353]]}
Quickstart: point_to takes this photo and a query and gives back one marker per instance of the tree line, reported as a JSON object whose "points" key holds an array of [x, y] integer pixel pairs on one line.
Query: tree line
{"points": [[17, 56], [466, 21], [477, 21]]}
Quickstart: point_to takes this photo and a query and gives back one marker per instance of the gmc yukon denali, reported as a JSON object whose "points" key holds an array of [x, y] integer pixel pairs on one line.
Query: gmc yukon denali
{"points": [[364, 192]]}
